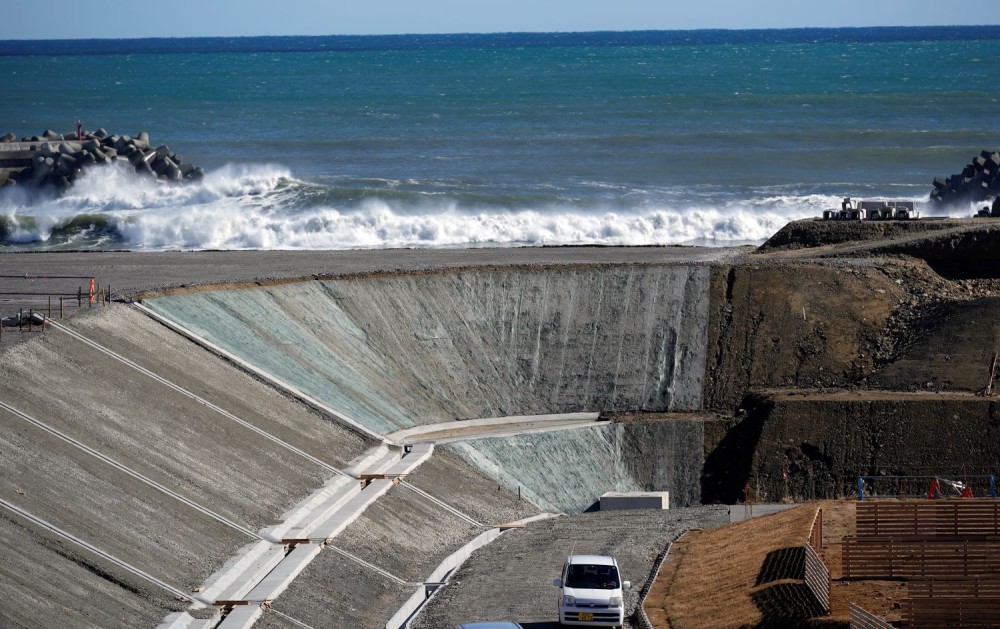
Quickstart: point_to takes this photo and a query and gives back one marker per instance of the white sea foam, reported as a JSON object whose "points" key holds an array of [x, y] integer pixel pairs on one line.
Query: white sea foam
{"points": [[260, 207]]}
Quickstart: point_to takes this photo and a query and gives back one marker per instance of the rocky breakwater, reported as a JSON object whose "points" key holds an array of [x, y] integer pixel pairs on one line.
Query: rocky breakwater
{"points": [[978, 181], [57, 160]]}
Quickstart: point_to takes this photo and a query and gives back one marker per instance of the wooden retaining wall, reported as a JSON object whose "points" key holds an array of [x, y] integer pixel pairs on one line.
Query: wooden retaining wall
{"points": [[928, 517], [951, 604], [909, 558]]}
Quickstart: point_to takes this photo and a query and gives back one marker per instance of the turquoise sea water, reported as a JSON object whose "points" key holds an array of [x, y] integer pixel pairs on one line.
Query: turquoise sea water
{"points": [[617, 138]]}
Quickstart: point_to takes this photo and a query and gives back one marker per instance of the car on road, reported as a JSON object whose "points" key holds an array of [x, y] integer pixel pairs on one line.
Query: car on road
{"points": [[501, 624], [591, 592]]}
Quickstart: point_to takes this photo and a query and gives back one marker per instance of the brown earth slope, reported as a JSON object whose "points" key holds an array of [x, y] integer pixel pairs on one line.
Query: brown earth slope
{"points": [[723, 578]]}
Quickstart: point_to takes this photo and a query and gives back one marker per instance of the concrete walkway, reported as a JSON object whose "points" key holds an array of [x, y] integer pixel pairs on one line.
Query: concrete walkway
{"points": [[447, 432]]}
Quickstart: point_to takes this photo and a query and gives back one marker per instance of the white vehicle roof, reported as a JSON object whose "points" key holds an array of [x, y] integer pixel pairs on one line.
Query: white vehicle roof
{"points": [[594, 560]]}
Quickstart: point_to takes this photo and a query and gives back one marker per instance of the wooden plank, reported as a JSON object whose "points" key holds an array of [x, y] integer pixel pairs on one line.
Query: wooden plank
{"points": [[863, 619], [928, 517], [905, 559]]}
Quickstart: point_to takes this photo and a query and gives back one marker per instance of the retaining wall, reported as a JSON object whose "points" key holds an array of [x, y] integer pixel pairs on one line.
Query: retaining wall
{"points": [[569, 470]]}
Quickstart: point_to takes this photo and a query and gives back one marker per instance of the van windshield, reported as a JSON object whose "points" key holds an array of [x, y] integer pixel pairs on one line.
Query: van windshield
{"points": [[592, 577]]}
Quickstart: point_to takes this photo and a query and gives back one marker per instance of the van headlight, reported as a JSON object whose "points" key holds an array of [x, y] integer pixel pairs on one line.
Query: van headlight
{"points": [[615, 601], [569, 600]]}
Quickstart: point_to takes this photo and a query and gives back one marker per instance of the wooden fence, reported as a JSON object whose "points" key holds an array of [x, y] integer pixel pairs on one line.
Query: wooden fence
{"points": [[950, 613], [816, 532], [952, 603], [863, 619], [928, 517], [921, 557], [817, 578]]}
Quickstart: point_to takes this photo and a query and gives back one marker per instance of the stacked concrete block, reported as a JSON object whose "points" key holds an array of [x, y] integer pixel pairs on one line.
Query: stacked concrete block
{"points": [[61, 158], [978, 181]]}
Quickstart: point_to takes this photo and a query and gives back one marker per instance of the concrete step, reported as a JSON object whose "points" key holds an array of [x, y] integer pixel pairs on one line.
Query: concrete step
{"points": [[276, 581], [334, 502], [340, 520], [372, 459], [418, 454], [184, 620], [235, 580]]}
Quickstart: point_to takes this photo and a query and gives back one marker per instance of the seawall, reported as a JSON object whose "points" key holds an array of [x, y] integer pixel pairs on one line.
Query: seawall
{"points": [[396, 351]]}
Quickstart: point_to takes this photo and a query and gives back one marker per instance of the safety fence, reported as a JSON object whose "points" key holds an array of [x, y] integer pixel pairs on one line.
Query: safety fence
{"points": [[815, 573], [34, 300], [979, 483], [928, 517], [948, 551], [951, 603], [861, 618]]}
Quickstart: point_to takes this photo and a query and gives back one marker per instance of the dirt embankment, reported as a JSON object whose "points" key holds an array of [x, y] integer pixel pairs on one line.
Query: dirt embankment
{"points": [[794, 325], [742, 575], [804, 446], [904, 339], [814, 232]]}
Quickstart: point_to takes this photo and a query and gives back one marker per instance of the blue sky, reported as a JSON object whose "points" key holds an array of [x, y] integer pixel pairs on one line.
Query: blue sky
{"points": [[81, 19]]}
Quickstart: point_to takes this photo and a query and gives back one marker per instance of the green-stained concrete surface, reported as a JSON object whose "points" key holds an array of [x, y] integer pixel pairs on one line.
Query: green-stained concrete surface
{"points": [[567, 471], [391, 352]]}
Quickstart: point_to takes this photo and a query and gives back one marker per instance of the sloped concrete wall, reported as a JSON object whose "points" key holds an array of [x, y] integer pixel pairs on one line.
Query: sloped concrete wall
{"points": [[396, 351], [568, 470]]}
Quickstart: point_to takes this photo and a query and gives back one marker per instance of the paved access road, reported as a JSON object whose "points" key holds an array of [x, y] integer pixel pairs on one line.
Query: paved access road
{"points": [[511, 579]]}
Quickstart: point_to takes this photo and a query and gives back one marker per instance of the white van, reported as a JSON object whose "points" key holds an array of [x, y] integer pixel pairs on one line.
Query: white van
{"points": [[591, 592]]}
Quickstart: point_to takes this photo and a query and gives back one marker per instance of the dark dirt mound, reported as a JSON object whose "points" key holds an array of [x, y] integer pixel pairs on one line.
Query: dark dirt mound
{"points": [[953, 352], [816, 232]]}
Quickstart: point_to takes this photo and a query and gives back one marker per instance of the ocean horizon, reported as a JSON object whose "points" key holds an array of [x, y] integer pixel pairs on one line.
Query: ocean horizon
{"points": [[615, 138]]}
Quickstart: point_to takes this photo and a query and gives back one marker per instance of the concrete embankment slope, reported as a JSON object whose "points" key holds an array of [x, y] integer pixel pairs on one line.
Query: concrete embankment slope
{"points": [[567, 470], [395, 351], [138, 471]]}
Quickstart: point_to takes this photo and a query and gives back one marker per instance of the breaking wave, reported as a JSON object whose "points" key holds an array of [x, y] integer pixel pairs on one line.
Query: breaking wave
{"points": [[264, 207]]}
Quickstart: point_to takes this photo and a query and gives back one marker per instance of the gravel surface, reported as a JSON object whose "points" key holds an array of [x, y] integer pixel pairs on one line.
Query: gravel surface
{"points": [[129, 272], [511, 579]]}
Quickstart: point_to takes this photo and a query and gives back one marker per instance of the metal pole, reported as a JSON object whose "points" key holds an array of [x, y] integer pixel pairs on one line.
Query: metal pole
{"points": [[60, 307], [993, 486], [79, 296], [48, 313], [861, 488]]}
